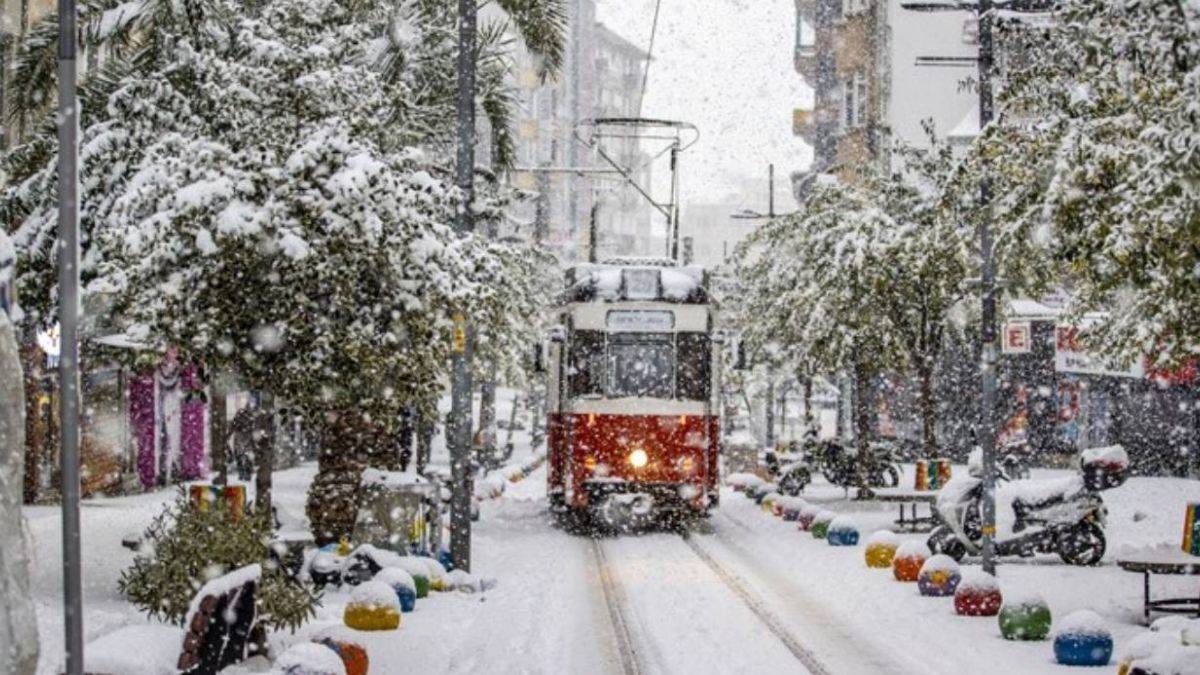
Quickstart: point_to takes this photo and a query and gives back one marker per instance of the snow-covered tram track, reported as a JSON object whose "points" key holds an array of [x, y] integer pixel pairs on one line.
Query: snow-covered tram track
{"points": [[626, 652], [676, 610], [756, 606]]}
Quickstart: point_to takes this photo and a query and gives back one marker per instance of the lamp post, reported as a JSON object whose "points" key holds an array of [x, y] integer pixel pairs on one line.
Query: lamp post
{"points": [[68, 319], [458, 428]]}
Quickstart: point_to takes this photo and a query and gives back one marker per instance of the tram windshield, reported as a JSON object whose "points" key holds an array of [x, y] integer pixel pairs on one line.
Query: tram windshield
{"points": [[641, 365], [644, 365]]}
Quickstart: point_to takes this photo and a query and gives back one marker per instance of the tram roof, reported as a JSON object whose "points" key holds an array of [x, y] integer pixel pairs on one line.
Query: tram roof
{"points": [[637, 279]]}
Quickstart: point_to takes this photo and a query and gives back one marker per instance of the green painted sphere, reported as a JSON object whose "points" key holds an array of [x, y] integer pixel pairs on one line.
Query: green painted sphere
{"points": [[1025, 622]]}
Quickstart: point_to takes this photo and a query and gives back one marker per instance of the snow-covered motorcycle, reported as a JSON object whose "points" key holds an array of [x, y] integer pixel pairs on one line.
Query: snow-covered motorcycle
{"points": [[1063, 516]]}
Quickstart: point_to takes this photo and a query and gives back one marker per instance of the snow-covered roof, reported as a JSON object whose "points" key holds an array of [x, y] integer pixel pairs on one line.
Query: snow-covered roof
{"points": [[637, 279], [1024, 308]]}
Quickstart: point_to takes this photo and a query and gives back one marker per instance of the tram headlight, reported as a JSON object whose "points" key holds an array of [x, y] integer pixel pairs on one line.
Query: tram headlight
{"points": [[638, 458]]}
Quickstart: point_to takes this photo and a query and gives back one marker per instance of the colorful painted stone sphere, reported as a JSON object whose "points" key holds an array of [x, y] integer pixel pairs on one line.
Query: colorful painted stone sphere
{"points": [[881, 549], [766, 489], [910, 556], [353, 656], [820, 524], [791, 510], [842, 532], [768, 501], [402, 583], [1082, 640], [808, 514], [978, 594], [939, 577], [1025, 617], [373, 606]]}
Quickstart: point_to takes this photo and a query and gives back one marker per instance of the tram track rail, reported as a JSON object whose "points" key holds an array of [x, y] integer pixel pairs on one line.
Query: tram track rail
{"points": [[615, 603], [757, 608], [631, 660]]}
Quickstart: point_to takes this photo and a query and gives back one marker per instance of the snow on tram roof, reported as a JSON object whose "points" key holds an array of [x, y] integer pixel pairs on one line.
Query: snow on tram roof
{"points": [[658, 279]]}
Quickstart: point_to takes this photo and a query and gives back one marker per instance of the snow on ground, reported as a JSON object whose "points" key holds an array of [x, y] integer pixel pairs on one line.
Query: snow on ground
{"points": [[549, 614]]}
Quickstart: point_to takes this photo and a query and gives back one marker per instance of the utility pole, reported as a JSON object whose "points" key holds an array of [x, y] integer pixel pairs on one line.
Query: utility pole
{"points": [[987, 278], [68, 319], [458, 429]]}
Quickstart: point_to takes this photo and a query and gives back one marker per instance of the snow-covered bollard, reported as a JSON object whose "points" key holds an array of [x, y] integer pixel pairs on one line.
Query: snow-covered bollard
{"points": [[1172, 645], [842, 532], [310, 658], [910, 557], [353, 656], [820, 524], [978, 594], [373, 606], [437, 574], [419, 571], [939, 577], [403, 584], [881, 549], [1082, 640], [808, 513], [769, 500], [763, 490], [1024, 616], [791, 510], [740, 481]]}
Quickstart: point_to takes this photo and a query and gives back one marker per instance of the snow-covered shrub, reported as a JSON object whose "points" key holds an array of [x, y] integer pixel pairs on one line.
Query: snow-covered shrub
{"points": [[186, 546]]}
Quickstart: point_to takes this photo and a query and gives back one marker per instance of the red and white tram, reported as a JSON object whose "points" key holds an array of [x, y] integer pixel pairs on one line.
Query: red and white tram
{"points": [[633, 425]]}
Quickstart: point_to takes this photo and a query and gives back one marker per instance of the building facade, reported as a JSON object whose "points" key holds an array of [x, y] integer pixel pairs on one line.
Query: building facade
{"points": [[600, 78], [861, 57]]}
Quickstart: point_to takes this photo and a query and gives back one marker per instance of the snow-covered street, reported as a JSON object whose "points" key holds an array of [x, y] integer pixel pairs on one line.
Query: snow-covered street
{"points": [[745, 592]]}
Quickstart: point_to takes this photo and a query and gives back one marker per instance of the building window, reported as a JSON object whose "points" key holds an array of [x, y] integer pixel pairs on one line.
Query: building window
{"points": [[855, 97]]}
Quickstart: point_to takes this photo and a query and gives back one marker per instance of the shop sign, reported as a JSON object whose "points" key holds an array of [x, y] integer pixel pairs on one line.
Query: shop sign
{"points": [[1071, 356], [1017, 338]]}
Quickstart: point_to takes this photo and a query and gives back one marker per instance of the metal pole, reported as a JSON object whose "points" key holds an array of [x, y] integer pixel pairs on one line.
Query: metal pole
{"points": [[988, 293], [458, 430], [673, 221], [68, 318], [771, 189]]}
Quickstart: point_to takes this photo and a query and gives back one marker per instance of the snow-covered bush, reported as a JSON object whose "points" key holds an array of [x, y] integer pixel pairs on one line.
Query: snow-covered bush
{"points": [[186, 546]]}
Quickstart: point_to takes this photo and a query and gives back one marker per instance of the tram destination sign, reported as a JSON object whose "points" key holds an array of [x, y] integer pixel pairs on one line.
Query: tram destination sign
{"points": [[640, 321]]}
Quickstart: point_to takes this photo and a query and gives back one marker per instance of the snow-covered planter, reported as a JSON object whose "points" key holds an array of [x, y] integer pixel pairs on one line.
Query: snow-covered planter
{"points": [[373, 606], [843, 531], [1083, 640], [939, 577], [402, 583], [1025, 616], [978, 594], [820, 524], [910, 557], [309, 658], [881, 549]]}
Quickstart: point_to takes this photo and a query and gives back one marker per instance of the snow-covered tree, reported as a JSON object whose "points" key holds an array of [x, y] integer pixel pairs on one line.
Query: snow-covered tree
{"points": [[1098, 144]]}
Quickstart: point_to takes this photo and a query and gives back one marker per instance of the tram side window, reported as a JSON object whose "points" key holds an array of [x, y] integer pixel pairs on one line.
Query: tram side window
{"points": [[695, 366], [586, 373]]}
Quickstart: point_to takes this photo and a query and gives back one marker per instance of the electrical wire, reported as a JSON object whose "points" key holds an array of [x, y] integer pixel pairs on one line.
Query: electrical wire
{"points": [[649, 55]]}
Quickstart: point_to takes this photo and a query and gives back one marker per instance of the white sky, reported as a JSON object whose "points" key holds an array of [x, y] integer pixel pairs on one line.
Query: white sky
{"points": [[725, 66]]}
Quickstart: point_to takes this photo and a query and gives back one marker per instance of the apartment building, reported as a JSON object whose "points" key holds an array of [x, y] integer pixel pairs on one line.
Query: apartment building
{"points": [[861, 57]]}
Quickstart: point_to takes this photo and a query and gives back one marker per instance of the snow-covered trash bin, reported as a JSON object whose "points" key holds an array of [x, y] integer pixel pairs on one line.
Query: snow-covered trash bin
{"points": [[978, 594], [1083, 640], [309, 658], [881, 549], [373, 606], [1024, 616], [910, 557], [843, 531], [939, 577]]}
